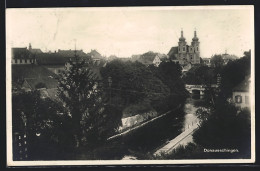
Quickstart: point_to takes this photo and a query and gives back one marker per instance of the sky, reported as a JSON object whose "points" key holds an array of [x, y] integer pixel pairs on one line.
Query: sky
{"points": [[132, 30]]}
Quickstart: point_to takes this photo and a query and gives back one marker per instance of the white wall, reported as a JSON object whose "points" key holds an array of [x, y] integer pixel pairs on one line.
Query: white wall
{"points": [[243, 95]]}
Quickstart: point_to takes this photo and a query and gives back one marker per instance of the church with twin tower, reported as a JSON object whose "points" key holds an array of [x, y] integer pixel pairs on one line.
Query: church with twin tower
{"points": [[184, 53]]}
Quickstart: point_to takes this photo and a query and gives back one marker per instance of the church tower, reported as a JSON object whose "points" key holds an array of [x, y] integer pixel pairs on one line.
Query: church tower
{"points": [[182, 49], [196, 46]]}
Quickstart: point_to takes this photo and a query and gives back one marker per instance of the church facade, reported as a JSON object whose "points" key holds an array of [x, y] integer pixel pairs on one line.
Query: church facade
{"points": [[186, 54]]}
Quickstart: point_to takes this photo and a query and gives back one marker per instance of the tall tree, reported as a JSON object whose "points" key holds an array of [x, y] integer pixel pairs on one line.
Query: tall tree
{"points": [[81, 95]]}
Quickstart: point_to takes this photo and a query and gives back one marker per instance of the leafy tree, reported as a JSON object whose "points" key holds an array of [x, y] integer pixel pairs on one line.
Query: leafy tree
{"points": [[200, 75], [82, 95], [132, 82], [234, 73], [40, 116], [217, 61], [226, 128], [170, 74]]}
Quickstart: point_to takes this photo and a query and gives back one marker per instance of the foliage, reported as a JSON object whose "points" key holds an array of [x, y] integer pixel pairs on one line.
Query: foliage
{"points": [[40, 116], [132, 82], [81, 93], [234, 73], [203, 114], [227, 128], [217, 61], [199, 75], [170, 74]]}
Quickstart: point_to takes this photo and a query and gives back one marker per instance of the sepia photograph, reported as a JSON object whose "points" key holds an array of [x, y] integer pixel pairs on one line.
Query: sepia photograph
{"points": [[130, 85]]}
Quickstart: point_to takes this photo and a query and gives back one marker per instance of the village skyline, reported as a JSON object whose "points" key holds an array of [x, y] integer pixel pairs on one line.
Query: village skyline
{"points": [[129, 32]]}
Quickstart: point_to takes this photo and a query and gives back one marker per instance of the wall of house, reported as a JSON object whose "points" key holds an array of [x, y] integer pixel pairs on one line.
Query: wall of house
{"points": [[244, 99], [137, 119], [23, 61], [156, 61]]}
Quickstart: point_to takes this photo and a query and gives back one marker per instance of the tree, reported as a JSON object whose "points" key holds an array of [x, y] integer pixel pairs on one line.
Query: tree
{"points": [[170, 75], [200, 75], [82, 95], [40, 116], [132, 82], [234, 73], [78, 90], [217, 61], [226, 127]]}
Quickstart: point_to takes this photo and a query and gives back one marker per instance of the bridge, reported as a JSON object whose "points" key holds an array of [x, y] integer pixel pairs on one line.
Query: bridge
{"points": [[198, 89], [183, 139]]}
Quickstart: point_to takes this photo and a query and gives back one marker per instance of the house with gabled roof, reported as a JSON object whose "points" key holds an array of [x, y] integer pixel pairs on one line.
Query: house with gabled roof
{"points": [[150, 58]]}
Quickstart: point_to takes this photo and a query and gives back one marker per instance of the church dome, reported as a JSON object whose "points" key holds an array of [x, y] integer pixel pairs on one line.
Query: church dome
{"points": [[182, 39], [195, 39]]}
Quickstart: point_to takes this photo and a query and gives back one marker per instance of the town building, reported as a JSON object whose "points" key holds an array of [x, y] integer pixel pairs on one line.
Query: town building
{"points": [[206, 61], [228, 57], [25, 56], [151, 58], [184, 53], [240, 94]]}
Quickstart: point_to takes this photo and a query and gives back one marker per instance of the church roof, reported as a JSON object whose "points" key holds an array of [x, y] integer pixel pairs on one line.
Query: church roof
{"points": [[172, 52]]}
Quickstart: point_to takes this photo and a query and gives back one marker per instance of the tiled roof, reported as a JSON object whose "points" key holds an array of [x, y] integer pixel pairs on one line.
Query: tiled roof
{"points": [[95, 54], [147, 58], [172, 52], [21, 53], [71, 53], [51, 59], [35, 51], [49, 82]]}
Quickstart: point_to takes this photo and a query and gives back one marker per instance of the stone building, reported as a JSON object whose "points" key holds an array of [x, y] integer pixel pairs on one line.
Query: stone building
{"points": [[241, 94], [184, 53]]}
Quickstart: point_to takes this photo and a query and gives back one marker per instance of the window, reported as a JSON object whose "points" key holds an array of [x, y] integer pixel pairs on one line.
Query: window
{"points": [[238, 99], [25, 61], [24, 136], [246, 99], [20, 60], [190, 56], [179, 49], [15, 61], [183, 48], [197, 48], [19, 137]]}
